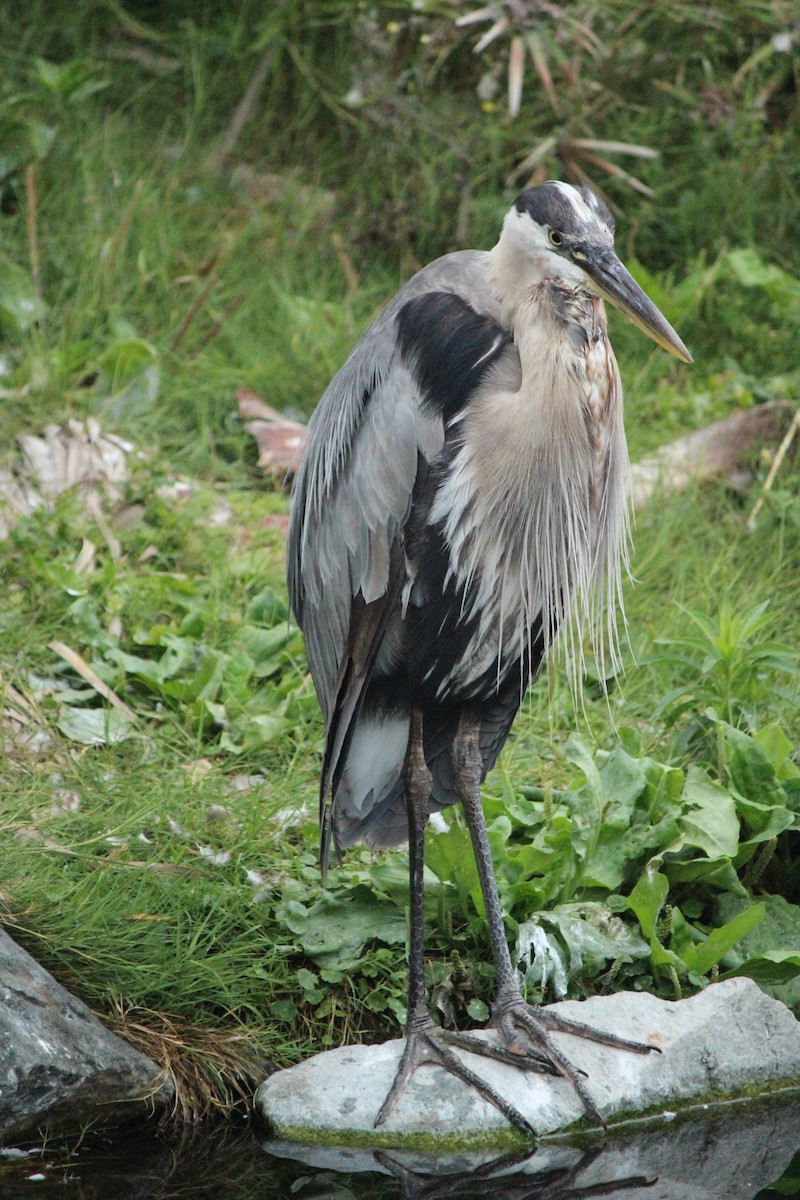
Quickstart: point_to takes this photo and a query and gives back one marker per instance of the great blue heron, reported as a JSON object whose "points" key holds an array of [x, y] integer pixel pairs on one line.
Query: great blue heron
{"points": [[464, 490]]}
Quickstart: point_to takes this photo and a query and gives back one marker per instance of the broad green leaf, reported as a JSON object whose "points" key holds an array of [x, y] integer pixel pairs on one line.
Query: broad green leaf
{"points": [[259, 731], [283, 1010], [267, 608], [73, 81], [544, 957], [594, 935], [216, 711], [638, 816], [752, 271], [527, 861], [388, 880], [709, 819], [701, 958], [478, 1010], [751, 772], [718, 873], [449, 855], [239, 678], [231, 742], [499, 832], [134, 398], [200, 682], [572, 940], [19, 306], [618, 851], [624, 780], [337, 930], [124, 360], [647, 899], [770, 968], [262, 645], [586, 804], [63, 577], [22, 140], [147, 670], [764, 821], [94, 726], [778, 749], [777, 934]]}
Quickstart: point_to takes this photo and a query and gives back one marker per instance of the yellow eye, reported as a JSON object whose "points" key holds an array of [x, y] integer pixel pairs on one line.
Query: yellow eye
{"points": [[555, 238]]}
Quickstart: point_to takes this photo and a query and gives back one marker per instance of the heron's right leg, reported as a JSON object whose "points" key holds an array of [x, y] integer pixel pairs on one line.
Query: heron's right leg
{"points": [[423, 1044], [524, 1029]]}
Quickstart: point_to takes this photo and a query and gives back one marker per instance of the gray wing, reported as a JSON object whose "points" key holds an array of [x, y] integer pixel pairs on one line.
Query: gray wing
{"points": [[353, 492]]}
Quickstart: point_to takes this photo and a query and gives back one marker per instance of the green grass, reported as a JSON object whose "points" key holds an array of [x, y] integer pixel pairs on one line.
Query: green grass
{"points": [[170, 876]]}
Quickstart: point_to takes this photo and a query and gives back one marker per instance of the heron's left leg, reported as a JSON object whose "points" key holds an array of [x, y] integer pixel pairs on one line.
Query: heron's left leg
{"points": [[524, 1029], [423, 1040]]}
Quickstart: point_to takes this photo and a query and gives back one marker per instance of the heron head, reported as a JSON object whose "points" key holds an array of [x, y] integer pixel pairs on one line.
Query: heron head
{"points": [[567, 233]]}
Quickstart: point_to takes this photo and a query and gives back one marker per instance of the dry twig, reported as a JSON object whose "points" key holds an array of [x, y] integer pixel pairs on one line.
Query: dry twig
{"points": [[32, 224], [83, 669], [223, 147], [780, 454]]}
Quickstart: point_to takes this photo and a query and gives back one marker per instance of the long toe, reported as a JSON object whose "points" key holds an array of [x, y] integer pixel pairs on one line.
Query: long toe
{"points": [[426, 1047], [520, 1022], [525, 1027], [517, 1053], [551, 1020]]}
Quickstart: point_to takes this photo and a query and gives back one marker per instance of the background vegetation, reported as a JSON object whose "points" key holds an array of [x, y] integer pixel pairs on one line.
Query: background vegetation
{"points": [[160, 855]]}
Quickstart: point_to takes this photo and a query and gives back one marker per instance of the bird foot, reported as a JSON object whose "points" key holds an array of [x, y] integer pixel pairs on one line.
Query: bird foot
{"points": [[525, 1032], [527, 1045], [428, 1045]]}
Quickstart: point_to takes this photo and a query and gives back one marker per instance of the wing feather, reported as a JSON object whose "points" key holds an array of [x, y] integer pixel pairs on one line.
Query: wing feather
{"points": [[354, 488], [371, 440]]}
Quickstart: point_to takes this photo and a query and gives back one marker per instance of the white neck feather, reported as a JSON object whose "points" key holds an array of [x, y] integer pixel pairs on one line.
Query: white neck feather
{"points": [[543, 473], [522, 259]]}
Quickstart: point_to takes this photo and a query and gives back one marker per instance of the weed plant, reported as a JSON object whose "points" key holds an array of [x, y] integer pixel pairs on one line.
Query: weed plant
{"points": [[160, 855]]}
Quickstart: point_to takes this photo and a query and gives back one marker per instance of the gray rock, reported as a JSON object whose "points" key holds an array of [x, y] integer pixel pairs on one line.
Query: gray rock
{"points": [[59, 1067], [729, 1040], [730, 1155]]}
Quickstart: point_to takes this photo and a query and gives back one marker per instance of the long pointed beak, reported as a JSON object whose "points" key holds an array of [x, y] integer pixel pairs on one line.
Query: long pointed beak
{"points": [[616, 284]]}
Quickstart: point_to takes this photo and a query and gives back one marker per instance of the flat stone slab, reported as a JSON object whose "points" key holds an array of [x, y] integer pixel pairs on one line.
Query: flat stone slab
{"points": [[59, 1066], [730, 1152], [729, 1040]]}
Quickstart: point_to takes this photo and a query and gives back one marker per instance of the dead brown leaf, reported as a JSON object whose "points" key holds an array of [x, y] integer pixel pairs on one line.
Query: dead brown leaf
{"points": [[280, 441]]}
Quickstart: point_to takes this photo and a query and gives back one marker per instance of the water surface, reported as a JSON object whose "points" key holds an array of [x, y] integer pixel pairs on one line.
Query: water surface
{"points": [[731, 1153]]}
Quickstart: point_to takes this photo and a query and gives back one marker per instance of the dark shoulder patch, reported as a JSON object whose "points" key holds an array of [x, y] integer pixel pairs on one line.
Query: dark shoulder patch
{"points": [[449, 347]]}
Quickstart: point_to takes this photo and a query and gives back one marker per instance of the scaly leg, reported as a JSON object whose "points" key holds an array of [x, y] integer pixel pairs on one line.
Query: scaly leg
{"points": [[423, 1039], [524, 1029]]}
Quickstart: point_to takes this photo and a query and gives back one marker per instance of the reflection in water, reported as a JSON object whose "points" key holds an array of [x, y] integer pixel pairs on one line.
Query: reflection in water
{"points": [[493, 1179], [728, 1155]]}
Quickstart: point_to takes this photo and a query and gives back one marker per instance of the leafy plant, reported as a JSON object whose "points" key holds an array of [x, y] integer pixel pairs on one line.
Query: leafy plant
{"points": [[648, 839], [730, 666]]}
